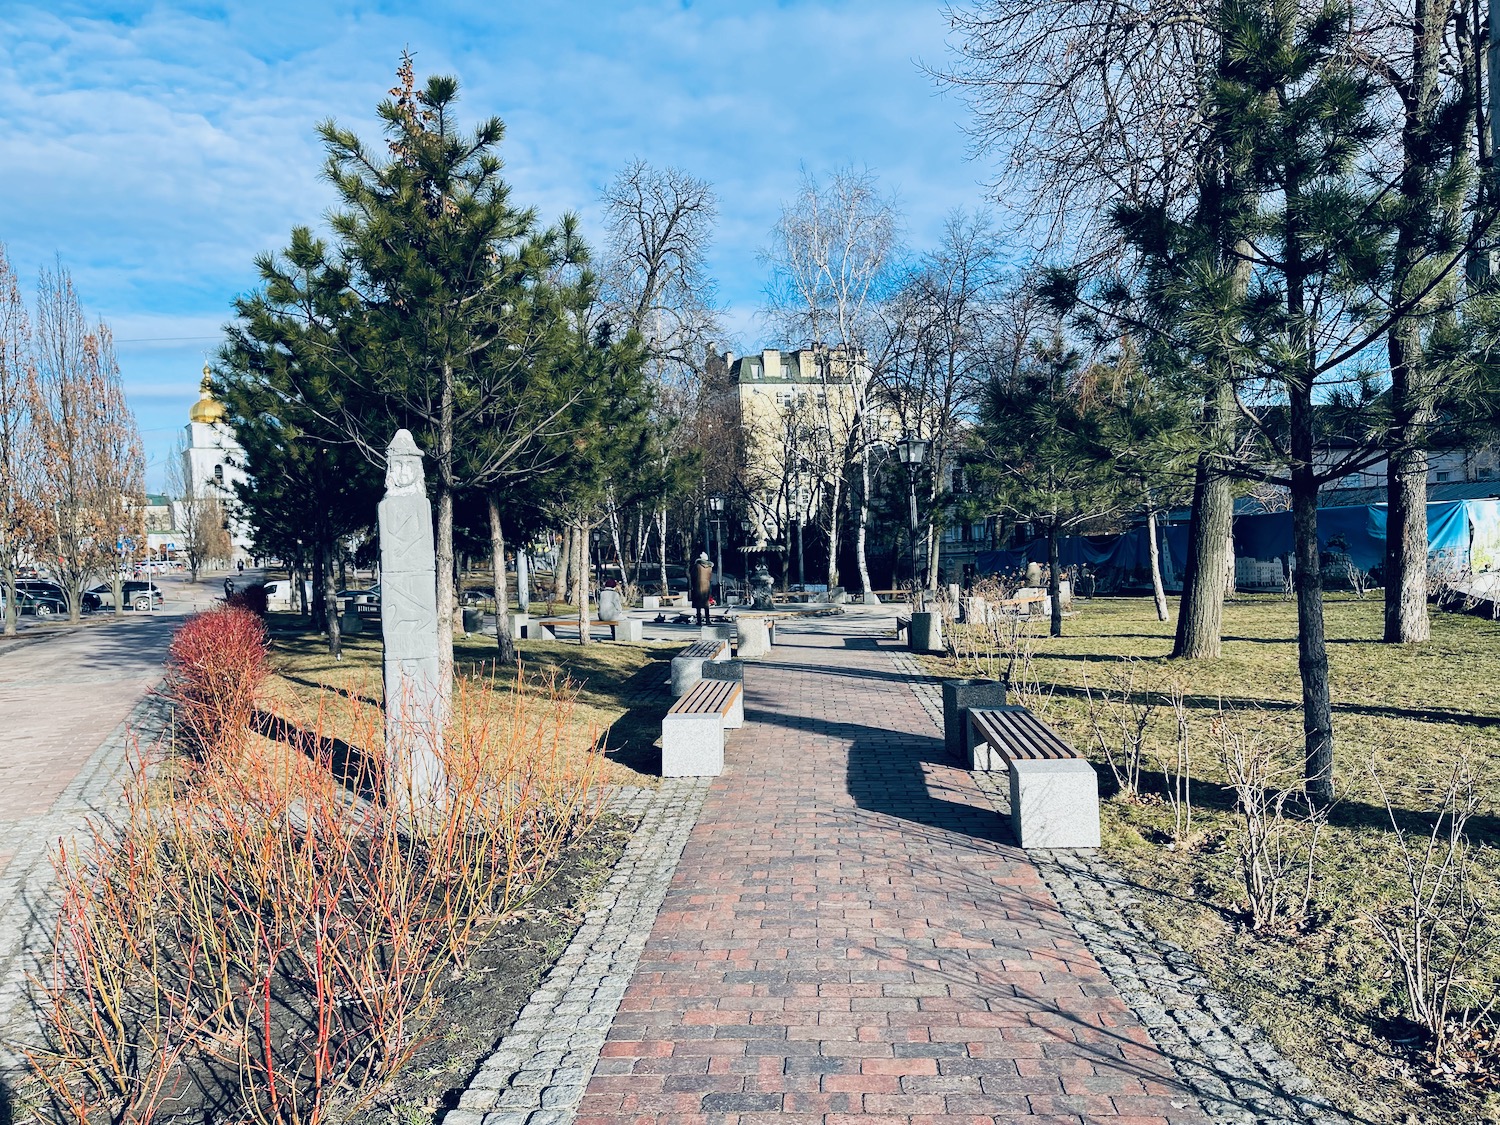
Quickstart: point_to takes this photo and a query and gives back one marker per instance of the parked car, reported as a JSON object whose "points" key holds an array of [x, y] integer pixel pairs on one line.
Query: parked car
{"points": [[50, 589], [40, 604], [136, 593]]}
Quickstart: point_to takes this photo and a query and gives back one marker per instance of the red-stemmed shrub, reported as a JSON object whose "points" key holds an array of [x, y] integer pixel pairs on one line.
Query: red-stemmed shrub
{"points": [[216, 669], [266, 934]]}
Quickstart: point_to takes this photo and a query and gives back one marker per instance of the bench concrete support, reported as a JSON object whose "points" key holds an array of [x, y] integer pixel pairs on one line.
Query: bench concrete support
{"points": [[725, 669], [925, 633], [755, 638], [686, 672], [651, 601], [1054, 803], [692, 745], [627, 629], [716, 633]]}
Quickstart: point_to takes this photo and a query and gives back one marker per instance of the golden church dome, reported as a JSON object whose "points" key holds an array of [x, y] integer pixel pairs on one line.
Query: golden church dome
{"points": [[207, 409]]}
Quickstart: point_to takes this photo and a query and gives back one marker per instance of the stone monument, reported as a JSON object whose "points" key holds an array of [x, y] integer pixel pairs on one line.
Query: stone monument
{"points": [[415, 705]]}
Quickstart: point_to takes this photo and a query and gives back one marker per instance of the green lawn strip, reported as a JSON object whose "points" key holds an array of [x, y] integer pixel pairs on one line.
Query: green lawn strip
{"points": [[1328, 995]]}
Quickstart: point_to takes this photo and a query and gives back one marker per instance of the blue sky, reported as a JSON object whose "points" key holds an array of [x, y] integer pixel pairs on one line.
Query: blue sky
{"points": [[158, 147]]}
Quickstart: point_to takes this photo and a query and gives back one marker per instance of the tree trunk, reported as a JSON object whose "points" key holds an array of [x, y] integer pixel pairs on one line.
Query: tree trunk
{"points": [[561, 571], [1158, 591], [331, 603], [523, 582], [1312, 645], [1406, 460], [1406, 620], [117, 590], [11, 609], [862, 531], [505, 644], [583, 585], [934, 555], [445, 599], [1054, 578], [662, 564], [1200, 614], [319, 592], [833, 531]]}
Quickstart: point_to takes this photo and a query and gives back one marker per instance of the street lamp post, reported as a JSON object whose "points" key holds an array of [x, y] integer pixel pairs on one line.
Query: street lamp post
{"points": [[911, 451], [716, 506]]}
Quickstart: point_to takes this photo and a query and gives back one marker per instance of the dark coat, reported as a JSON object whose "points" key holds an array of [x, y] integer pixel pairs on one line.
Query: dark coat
{"points": [[701, 581]]}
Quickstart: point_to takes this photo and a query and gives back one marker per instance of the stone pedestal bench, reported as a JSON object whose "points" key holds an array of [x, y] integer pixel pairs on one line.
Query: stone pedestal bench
{"points": [[692, 733], [625, 629], [687, 665], [1054, 793]]}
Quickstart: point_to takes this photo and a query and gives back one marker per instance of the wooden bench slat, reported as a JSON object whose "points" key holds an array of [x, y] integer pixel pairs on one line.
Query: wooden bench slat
{"points": [[707, 697], [703, 649], [1015, 733]]}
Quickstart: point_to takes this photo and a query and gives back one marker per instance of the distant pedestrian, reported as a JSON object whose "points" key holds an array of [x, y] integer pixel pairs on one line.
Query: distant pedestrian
{"points": [[702, 584], [228, 588], [241, 566]]}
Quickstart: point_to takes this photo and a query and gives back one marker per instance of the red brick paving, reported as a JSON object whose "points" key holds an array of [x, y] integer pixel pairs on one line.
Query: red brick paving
{"points": [[849, 938]]}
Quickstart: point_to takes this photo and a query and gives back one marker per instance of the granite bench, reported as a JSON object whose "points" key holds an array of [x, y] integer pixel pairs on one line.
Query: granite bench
{"points": [[687, 665], [1054, 791], [625, 629], [692, 733]]}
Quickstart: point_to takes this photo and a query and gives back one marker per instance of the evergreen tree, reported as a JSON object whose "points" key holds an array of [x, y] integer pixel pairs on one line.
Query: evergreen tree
{"points": [[1036, 452]]}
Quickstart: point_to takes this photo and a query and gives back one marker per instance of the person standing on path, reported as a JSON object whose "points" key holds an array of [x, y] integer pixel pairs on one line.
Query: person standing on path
{"points": [[701, 583]]}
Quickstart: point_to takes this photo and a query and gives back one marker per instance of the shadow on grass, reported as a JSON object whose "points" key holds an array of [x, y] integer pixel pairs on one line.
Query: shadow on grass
{"points": [[354, 768], [646, 696]]}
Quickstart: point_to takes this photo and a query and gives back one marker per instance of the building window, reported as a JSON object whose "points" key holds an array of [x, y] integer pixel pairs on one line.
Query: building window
{"points": [[1444, 476], [219, 474]]}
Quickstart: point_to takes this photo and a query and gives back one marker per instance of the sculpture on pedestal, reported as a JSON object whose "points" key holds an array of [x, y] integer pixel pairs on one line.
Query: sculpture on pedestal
{"points": [[416, 709]]}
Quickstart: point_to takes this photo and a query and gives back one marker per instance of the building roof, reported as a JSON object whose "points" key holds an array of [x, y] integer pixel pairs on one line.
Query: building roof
{"points": [[157, 500]]}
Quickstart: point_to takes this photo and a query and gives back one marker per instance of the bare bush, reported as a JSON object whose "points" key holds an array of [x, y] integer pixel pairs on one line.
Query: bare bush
{"points": [[1176, 767], [1279, 836], [1119, 718], [1442, 932]]}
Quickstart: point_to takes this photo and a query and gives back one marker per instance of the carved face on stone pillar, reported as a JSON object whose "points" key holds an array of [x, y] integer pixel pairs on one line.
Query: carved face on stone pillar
{"points": [[403, 466]]}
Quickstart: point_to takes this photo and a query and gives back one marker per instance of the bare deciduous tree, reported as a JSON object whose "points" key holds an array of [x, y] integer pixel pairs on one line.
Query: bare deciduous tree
{"points": [[90, 481], [831, 253], [940, 334], [17, 456]]}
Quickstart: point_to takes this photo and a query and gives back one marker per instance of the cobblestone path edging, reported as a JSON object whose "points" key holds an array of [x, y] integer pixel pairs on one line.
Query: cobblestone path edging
{"points": [[538, 1073], [1239, 1077], [27, 906]]}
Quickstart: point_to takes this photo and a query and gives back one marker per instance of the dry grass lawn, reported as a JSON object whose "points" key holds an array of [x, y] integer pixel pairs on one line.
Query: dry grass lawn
{"points": [[614, 694]]}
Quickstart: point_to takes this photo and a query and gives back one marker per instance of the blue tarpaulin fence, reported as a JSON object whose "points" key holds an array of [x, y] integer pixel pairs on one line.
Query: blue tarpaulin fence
{"points": [[1466, 532], [1360, 532]]}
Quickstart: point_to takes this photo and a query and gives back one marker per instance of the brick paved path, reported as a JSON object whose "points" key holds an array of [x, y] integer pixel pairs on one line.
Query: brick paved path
{"points": [[849, 935]]}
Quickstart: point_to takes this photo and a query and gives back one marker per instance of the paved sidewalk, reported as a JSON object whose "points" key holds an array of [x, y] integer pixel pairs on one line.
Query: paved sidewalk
{"points": [[850, 935]]}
